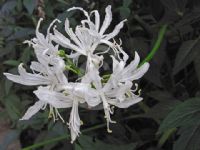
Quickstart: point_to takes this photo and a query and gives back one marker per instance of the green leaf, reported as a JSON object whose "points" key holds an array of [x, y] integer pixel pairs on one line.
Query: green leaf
{"points": [[189, 138], [25, 57], [11, 62], [78, 147], [13, 107], [8, 85], [186, 54], [124, 12], [87, 143], [163, 107], [9, 138], [126, 3], [30, 5], [197, 67], [184, 114]]}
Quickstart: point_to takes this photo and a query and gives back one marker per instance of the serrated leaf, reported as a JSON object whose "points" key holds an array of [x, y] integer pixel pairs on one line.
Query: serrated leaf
{"points": [[87, 143], [184, 114], [186, 54], [30, 5], [189, 138]]}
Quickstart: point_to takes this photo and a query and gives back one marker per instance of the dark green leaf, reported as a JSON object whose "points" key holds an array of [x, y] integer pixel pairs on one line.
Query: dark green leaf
{"points": [[189, 138], [13, 107], [186, 54], [9, 138], [184, 114], [87, 143], [126, 3], [30, 5]]}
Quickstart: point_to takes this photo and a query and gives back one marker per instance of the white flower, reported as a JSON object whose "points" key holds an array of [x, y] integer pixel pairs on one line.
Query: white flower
{"points": [[117, 90], [85, 40], [48, 73], [49, 97]]}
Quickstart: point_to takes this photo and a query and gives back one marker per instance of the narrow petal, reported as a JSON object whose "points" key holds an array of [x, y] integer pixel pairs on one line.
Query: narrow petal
{"points": [[115, 31], [65, 42], [71, 34], [39, 35], [33, 110], [27, 78], [132, 66], [74, 122], [126, 103], [55, 99], [81, 9], [137, 74], [107, 20], [97, 19]]}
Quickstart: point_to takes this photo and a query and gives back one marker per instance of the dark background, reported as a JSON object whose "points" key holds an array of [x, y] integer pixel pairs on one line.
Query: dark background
{"points": [[170, 88]]}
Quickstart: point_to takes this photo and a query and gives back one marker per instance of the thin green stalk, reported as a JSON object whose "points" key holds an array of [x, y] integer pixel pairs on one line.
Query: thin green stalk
{"points": [[46, 142], [167, 134], [156, 45]]}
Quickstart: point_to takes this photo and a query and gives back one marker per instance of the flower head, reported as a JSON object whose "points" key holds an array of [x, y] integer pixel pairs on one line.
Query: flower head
{"points": [[50, 71]]}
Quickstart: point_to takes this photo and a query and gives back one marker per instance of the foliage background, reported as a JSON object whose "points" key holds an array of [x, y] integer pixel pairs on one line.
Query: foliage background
{"points": [[169, 116]]}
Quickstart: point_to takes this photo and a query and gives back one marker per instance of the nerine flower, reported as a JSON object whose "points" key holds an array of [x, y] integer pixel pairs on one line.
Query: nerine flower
{"points": [[49, 73], [88, 35], [117, 90]]}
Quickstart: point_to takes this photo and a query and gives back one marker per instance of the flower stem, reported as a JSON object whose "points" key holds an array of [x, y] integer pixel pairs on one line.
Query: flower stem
{"points": [[156, 46]]}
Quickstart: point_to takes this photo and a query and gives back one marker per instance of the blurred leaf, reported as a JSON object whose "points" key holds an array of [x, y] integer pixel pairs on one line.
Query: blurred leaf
{"points": [[124, 10], [184, 114], [126, 3], [9, 138], [30, 5], [186, 54], [163, 107], [177, 6], [8, 85], [11, 62], [78, 147], [36, 122], [189, 138], [197, 67], [161, 95], [87, 143], [8, 6], [25, 57], [21, 33], [13, 107]]}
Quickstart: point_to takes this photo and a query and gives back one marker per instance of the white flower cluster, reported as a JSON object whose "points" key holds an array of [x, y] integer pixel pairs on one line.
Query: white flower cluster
{"points": [[49, 73]]}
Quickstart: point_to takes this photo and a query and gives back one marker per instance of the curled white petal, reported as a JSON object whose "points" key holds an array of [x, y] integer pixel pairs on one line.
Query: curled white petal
{"points": [[27, 78], [107, 20]]}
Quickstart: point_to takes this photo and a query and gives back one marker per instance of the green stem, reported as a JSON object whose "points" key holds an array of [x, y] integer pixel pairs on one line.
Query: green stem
{"points": [[167, 134], [46, 142], [156, 45]]}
